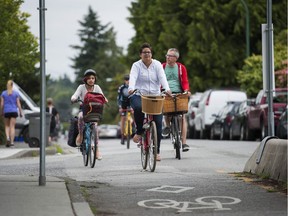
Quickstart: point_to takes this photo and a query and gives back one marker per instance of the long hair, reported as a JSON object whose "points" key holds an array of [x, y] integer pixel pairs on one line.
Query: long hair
{"points": [[9, 87]]}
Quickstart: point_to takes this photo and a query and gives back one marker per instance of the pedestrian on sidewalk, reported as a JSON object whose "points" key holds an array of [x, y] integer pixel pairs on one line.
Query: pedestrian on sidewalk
{"points": [[50, 108], [10, 108]]}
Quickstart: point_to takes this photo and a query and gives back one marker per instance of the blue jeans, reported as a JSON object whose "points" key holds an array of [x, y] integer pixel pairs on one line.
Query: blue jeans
{"points": [[136, 104]]}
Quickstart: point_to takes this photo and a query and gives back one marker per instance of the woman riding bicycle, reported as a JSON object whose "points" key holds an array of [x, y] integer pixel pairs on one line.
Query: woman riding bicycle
{"points": [[88, 86], [146, 75]]}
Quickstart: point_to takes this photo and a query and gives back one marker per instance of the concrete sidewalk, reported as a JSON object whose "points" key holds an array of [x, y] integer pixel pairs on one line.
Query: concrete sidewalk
{"points": [[22, 195]]}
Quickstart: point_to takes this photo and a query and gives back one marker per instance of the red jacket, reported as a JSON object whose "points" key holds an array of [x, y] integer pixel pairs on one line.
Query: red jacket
{"points": [[182, 73]]}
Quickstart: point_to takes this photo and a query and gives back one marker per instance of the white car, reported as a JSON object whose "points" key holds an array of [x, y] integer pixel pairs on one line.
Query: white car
{"points": [[191, 114], [109, 131], [211, 102]]}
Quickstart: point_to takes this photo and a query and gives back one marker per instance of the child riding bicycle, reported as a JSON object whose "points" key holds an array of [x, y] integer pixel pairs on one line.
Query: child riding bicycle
{"points": [[88, 86]]}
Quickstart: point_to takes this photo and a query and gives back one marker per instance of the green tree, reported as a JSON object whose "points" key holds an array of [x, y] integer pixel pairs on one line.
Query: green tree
{"points": [[18, 47], [250, 77], [209, 34], [100, 52]]}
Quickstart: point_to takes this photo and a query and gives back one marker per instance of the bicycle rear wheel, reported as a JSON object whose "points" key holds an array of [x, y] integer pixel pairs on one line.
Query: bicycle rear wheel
{"points": [[152, 146], [176, 137], [129, 130], [85, 150], [93, 145]]}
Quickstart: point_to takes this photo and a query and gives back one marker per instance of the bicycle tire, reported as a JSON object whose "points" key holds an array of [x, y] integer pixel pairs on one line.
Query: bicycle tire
{"points": [[144, 153], [152, 146], [176, 137], [85, 151], [93, 145], [128, 136]]}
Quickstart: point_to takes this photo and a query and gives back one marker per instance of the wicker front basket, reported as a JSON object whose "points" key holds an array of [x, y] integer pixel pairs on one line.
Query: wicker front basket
{"points": [[178, 104], [152, 105]]}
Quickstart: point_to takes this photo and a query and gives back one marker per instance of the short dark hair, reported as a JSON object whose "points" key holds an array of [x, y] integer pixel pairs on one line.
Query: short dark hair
{"points": [[145, 45]]}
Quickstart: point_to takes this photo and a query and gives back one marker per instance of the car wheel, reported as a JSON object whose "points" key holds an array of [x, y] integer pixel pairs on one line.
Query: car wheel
{"points": [[242, 133], [231, 137], [212, 133], [25, 134], [249, 134], [263, 131], [222, 133], [33, 142]]}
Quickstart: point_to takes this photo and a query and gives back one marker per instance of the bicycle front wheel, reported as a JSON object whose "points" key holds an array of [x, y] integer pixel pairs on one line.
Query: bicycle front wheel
{"points": [[85, 149], [93, 145], [144, 151], [128, 137], [152, 146], [176, 137]]}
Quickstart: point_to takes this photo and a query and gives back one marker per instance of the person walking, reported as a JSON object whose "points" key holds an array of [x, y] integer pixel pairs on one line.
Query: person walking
{"points": [[123, 102], [10, 109], [54, 118], [146, 75], [177, 77], [88, 86]]}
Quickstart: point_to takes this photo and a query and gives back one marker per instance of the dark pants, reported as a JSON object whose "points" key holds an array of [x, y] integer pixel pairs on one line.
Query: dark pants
{"points": [[136, 104]]}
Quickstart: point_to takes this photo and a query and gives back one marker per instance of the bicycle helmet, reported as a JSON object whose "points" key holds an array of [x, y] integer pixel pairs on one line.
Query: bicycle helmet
{"points": [[126, 77], [89, 72]]}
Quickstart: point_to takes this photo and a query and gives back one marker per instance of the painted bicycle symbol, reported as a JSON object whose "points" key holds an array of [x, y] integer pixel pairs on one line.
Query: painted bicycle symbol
{"points": [[209, 202]]}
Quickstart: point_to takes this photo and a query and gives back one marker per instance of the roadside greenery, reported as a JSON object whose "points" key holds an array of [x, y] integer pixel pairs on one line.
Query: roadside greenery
{"points": [[18, 49]]}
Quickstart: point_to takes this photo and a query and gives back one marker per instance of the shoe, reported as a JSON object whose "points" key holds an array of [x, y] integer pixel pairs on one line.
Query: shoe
{"points": [[158, 158], [166, 131], [8, 143], [136, 138], [122, 140], [11, 144], [185, 147]]}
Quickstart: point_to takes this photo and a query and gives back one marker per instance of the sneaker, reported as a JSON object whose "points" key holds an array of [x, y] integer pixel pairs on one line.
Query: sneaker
{"points": [[185, 147], [166, 131], [11, 144], [8, 143], [136, 138], [122, 140]]}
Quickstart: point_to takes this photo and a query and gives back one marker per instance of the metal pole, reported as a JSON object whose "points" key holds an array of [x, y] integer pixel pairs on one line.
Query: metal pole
{"points": [[270, 70], [247, 28], [42, 177]]}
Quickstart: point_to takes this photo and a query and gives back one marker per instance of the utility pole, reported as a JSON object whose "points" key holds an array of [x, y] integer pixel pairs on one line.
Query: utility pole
{"points": [[43, 140], [270, 60], [247, 28]]}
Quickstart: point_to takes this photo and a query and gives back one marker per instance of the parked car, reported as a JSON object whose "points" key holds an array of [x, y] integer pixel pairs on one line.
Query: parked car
{"points": [[220, 128], [257, 117], [283, 125], [191, 114], [28, 106], [211, 102], [109, 131], [238, 124]]}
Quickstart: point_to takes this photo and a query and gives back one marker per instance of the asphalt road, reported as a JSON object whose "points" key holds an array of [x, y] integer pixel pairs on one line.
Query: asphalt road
{"points": [[201, 183]]}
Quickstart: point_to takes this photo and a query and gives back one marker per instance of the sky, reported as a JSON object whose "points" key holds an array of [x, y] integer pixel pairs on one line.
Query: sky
{"points": [[62, 24]]}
